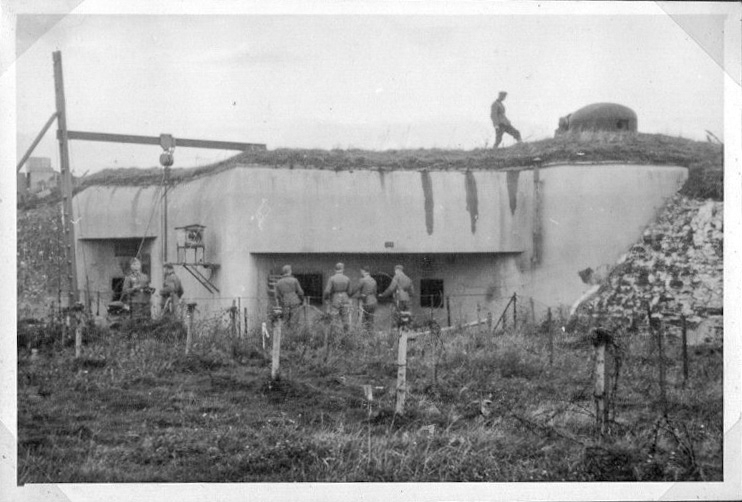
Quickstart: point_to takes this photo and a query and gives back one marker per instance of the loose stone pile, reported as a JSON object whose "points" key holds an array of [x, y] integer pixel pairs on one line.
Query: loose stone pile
{"points": [[676, 269]]}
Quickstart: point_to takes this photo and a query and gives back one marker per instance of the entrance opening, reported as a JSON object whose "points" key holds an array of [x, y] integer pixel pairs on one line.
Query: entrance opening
{"points": [[312, 286], [117, 285]]}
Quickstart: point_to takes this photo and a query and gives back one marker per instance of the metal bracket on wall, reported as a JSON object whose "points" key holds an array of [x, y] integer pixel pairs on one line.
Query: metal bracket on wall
{"points": [[201, 278]]}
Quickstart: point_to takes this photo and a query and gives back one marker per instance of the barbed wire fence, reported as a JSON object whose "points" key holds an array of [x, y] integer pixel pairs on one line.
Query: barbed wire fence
{"points": [[449, 328]]}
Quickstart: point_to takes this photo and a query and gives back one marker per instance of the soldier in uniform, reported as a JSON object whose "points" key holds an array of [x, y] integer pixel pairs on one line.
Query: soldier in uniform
{"points": [[500, 121], [403, 289], [136, 291], [171, 292], [337, 291], [289, 294], [366, 290]]}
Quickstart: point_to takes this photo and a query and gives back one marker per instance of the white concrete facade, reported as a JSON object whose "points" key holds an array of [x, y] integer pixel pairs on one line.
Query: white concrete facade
{"points": [[475, 230]]}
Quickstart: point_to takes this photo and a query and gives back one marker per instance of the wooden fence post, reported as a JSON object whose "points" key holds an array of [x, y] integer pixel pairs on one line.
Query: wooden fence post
{"points": [[65, 327], [246, 327], [599, 391], [239, 317], [276, 354], [551, 337], [233, 320], [448, 310], [264, 333], [401, 371], [78, 335], [533, 310], [685, 350], [190, 308], [661, 350]]}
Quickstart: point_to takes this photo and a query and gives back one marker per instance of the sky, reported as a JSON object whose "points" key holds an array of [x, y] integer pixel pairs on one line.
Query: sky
{"points": [[377, 82]]}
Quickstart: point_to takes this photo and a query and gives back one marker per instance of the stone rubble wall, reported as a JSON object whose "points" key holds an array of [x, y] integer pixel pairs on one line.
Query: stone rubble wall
{"points": [[676, 268]]}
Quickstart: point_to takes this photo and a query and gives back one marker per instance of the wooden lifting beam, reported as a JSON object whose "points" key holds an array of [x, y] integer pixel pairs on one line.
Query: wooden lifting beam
{"points": [[155, 140]]}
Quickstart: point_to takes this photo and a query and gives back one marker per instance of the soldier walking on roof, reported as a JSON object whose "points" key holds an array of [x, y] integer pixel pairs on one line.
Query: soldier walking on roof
{"points": [[403, 289], [337, 291], [289, 294], [501, 122]]}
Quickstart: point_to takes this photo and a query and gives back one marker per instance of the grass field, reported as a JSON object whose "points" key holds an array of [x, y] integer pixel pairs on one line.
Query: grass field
{"points": [[481, 407]]}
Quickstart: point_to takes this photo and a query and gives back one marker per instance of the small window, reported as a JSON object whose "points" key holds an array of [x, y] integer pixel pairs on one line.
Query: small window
{"points": [[312, 286], [431, 293], [382, 282]]}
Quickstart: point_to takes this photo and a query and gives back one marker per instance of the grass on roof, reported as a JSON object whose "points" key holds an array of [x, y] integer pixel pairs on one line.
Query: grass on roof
{"points": [[704, 159]]}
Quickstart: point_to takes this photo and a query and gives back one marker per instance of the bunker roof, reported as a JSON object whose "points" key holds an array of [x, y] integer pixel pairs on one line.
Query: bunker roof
{"points": [[637, 148]]}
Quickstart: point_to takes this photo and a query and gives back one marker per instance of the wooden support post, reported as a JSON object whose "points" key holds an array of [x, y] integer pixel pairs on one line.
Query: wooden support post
{"points": [[515, 311], [401, 371], [66, 179], [78, 335], [551, 337], [448, 310], [479, 317], [599, 392], [276, 353], [489, 322], [35, 142], [685, 350]]}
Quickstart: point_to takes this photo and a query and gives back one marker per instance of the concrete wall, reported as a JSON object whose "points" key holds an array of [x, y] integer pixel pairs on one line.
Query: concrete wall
{"points": [[476, 229], [591, 215]]}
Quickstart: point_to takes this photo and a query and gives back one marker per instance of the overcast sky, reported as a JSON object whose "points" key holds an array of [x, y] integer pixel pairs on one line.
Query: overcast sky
{"points": [[358, 81]]}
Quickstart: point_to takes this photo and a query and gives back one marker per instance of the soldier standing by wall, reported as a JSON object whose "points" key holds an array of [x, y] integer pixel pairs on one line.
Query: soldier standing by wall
{"points": [[403, 289], [337, 291], [367, 293], [171, 292], [136, 291], [289, 294], [500, 121]]}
